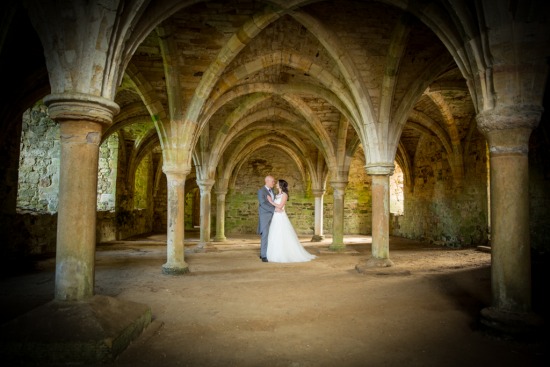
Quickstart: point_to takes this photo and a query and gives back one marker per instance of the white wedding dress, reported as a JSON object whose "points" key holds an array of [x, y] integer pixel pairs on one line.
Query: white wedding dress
{"points": [[283, 245]]}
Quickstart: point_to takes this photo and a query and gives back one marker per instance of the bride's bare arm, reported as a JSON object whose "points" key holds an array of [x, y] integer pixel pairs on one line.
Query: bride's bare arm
{"points": [[283, 200], [278, 206]]}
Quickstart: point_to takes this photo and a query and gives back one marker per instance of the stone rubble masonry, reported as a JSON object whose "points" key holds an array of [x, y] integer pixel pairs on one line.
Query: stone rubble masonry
{"points": [[434, 209], [39, 165], [38, 183]]}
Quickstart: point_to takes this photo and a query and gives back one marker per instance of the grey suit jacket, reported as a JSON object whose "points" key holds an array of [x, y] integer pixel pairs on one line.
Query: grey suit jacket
{"points": [[265, 210]]}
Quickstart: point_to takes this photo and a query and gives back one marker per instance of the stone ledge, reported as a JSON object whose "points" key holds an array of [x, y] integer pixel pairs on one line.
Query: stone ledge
{"points": [[91, 331]]}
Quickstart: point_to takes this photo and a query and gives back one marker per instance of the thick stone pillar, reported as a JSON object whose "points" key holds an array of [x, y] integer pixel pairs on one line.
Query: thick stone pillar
{"points": [[507, 131], [81, 119], [205, 187], [175, 263], [76, 229], [380, 249], [220, 215], [318, 230], [339, 188]]}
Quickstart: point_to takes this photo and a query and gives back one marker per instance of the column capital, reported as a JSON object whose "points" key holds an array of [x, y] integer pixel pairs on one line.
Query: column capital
{"points": [[338, 184], [208, 183], [380, 168], [81, 107], [508, 128], [205, 185], [319, 192], [171, 169], [509, 117]]}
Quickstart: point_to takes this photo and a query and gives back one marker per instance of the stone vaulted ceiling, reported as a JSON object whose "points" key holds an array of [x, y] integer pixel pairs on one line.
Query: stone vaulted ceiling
{"points": [[300, 82]]}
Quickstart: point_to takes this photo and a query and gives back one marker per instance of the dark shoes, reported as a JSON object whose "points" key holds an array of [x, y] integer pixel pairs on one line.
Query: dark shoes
{"points": [[264, 259]]}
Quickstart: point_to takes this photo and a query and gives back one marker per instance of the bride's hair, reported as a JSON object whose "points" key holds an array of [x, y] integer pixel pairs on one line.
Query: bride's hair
{"points": [[284, 188]]}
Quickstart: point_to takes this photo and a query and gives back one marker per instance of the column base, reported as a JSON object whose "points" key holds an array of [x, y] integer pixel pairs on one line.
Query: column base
{"points": [[374, 262], [175, 270], [220, 239], [93, 331], [204, 247], [317, 238], [517, 324], [337, 247]]}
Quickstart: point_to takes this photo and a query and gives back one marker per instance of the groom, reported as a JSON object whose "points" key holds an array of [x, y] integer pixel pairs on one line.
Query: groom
{"points": [[266, 210]]}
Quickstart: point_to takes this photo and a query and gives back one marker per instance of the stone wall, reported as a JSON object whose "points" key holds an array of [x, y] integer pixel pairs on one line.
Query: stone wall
{"points": [[191, 209], [143, 181], [160, 201], [357, 199], [241, 215], [9, 165], [539, 184], [132, 223], [38, 186], [107, 173], [242, 202], [39, 162], [437, 208], [40, 150], [36, 233], [242, 205]]}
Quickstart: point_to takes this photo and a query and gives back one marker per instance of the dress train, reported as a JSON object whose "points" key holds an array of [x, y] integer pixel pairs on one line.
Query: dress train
{"points": [[283, 245]]}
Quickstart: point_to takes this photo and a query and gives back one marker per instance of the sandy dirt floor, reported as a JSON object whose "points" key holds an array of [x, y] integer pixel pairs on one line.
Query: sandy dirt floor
{"points": [[234, 310]]}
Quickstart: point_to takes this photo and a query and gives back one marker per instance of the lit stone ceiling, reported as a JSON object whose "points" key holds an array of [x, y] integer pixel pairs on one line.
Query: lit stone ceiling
{"points": [[287, 85]]}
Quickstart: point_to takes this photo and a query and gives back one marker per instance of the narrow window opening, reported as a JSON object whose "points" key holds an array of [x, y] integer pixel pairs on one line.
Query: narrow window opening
{"points": [[396, 191]]}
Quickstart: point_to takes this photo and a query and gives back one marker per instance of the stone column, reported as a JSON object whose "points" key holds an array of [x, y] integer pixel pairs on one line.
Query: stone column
{"points": [[175, 263], [81, 119], [205, 187], [507, 131], [318, 231], [220, 215], [380, 249], [339, 188]]}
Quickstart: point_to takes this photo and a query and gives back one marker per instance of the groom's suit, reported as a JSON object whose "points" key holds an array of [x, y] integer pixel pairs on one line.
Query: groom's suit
{"points": [[265, 210]]}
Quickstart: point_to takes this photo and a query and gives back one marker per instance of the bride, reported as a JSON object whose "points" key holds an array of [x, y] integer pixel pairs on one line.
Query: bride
{"points": [[283, 245]]}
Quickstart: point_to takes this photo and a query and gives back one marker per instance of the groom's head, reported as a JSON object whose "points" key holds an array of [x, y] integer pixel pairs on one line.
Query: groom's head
{"points": [[269, 181]]}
